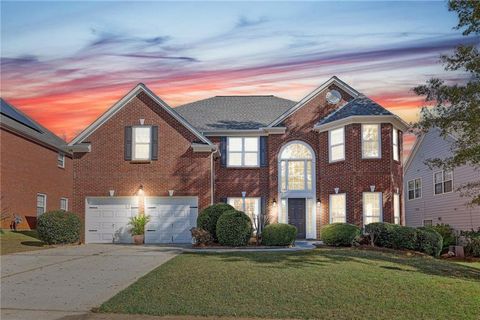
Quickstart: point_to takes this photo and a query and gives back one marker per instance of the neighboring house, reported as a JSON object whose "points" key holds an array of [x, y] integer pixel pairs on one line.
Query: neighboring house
{"points": [[334, 156], [36, 170], [430, 194]]}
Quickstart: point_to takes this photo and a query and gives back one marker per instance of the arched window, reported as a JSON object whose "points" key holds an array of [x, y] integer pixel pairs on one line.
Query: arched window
{"points": [[296, 167]]}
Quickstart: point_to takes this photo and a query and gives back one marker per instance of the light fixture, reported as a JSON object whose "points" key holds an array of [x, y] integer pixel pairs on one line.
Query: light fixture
{"points": [[274, 203], [142, 121], [336, 190], [372, 188], [170, 192], [318, 202], [111, 192], [140, 191]]}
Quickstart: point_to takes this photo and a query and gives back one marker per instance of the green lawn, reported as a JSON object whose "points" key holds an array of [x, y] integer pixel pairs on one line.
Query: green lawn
{"points": [[321, 284], [11, 242]]}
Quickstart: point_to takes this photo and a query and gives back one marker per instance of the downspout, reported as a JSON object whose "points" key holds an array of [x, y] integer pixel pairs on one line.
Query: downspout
{"points": [[212, 177]]}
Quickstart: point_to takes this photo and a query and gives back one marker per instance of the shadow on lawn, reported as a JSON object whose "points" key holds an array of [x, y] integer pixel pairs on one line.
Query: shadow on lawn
{"points": [[323, 257]]}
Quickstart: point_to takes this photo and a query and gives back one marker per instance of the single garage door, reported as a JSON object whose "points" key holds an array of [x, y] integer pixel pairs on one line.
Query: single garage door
{"points": [[171, 219], [106, 219]]}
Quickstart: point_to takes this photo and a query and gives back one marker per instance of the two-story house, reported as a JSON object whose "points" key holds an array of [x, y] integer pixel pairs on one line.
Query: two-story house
{"points": [[334, 156]]}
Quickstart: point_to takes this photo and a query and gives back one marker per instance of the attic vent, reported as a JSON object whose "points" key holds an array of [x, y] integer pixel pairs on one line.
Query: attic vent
{"points": [[333, 96]]}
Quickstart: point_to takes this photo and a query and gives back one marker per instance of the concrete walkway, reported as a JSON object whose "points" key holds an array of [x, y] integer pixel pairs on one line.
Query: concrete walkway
{"points": [[54, 283]]}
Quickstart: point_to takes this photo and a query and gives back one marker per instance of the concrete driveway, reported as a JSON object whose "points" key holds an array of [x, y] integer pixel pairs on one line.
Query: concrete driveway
{"points": [[53, 283]]}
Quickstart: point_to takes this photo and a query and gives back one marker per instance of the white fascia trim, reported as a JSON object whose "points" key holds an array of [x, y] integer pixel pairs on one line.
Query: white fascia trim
{"points": [[393, 119], [122, 102], [245, 133], [199, 147], [311, 95]]}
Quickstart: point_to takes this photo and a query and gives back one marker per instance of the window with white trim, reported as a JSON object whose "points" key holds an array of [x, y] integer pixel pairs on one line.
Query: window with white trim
{"points": [[371, 141], [443, 182], [61, 160], [372, 207], [41, 203], [64, 204], [396, 208], [396, 154], [243, 151], [414, 189], [336, 144], [296, 168], [427, 223], [141, 143], [252, 206], [338, 208]]}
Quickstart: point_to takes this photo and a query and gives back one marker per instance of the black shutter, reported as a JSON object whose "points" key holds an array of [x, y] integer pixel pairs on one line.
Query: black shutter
{"points": [[223, 151], [154, 145], [263, 213], [263, 152], [128, 143]]}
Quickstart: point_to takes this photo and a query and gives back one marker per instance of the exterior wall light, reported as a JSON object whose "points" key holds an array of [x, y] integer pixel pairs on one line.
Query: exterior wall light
{"points": [[372, 188], [336, 190], [111, 192], [274, 203], [140, 191], [170, 192]]}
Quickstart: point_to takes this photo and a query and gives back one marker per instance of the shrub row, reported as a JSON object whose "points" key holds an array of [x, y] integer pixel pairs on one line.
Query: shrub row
{"points": [[279, 234], [339, 234], [471, 240]]}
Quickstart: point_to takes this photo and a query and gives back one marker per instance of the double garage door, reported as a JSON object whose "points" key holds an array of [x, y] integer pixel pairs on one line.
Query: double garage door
{"points": [[171, 218]]}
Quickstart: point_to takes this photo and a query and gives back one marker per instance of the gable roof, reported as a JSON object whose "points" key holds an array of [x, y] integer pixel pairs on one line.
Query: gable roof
{"points": [[15, 120], [122, 102], [333, 80], [234, 112]]}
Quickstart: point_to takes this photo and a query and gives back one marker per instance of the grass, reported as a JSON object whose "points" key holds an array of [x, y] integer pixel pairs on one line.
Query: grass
{"points": [[19, 241], [322, 284]]}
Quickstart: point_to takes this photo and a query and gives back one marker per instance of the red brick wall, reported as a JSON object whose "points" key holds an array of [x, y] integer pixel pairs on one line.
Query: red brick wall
{"points": [[177, 168], [28, 168]]}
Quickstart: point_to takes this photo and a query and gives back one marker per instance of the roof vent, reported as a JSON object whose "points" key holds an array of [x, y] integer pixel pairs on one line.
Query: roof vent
{"points": [[333, 96]]}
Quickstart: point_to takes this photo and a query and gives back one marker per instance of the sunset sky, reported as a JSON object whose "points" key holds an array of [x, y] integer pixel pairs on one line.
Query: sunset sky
{"points": [[65, 63]]}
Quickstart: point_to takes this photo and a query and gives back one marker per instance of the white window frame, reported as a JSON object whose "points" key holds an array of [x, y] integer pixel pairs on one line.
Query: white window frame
{"points": [[379, 143], [243, 153], [380, 204], [66, 204], [344, 206], [330, 145], [442, 183], [134, 143], [414, 189], [44, 203], [395, 145], [230, 201], [396, 209], [61, 160]]}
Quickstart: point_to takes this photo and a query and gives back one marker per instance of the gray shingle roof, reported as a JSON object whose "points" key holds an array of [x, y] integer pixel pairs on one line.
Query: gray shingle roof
{"points": [[15, 119], [234, 112], [360, 106]]}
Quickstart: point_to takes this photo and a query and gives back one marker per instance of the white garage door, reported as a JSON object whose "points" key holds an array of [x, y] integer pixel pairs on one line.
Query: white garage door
{"points": [[106, 219], [171, 219]]}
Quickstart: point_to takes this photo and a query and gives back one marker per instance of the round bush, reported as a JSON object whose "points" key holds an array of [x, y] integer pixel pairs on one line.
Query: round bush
{"points": [[58, 227], [403, 237], [339, 234], [447, 233], [234, 228], [279, 234], [429, 241], [381, 233], [208, 218]]}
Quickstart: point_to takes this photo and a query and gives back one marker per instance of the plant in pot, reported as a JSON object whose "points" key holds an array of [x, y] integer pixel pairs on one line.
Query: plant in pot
{"points": [[138, 227]]}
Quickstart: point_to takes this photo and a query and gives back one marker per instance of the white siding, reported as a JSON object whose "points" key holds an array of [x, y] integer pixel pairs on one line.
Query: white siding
{"points": [[447, 208]]}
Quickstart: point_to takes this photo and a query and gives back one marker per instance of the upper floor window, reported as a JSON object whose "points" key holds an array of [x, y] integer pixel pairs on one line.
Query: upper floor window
{"points": [[41, 203], [443, 182], [336, 144], [243, 152], [141, 143], [296, 168], [64, 204], [414, 189], [396, 208], [371, 141], [61, 160], [338, 208], [396, 154], [372, 207]]}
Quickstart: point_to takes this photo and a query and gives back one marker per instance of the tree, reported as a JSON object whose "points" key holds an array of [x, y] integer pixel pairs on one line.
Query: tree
{"points": [[455, 108]]}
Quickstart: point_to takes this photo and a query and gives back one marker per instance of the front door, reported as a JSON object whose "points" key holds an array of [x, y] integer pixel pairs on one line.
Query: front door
{"points": [[296, 215]]}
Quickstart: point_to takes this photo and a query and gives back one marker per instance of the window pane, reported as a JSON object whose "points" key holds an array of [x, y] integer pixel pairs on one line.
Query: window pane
{"points": [[251, 159], [438, 177], [234, 144], [370, 149], [40, 201], [448, 186], [283, 168], [252, 206], [395, 136], [411, 185], [142, 151], [142, 134], [251, 144], [336, 136], [370, 141], [448, 175], [370, 132], [418, 193], [411, 194], [372, 207], [309, 175], [338, 152], [395, 152], [296, 175], [396, 208], [234, 159], [418, 183], [296, 151], [337, 208], [438, 188]]}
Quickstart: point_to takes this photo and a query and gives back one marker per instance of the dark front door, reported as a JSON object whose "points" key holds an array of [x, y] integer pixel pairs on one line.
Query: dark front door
{"points": [[296, 215]]}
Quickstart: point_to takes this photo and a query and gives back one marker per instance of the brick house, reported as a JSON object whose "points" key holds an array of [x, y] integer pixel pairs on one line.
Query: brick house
{"points": [[334, 156], [36, 170]]}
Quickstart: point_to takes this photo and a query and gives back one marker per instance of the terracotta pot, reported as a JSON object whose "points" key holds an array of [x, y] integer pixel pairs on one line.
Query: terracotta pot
{"points": [[138, 239]]}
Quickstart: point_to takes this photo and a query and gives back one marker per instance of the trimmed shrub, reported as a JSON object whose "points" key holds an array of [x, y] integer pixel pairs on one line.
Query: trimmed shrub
{"points": [[381, 234], [403, 237], [202, 237], [473, 247], [279, 234], [234, 228], [58, 227], [447, 233], [429, 241], [339, 234], [208, 218]]}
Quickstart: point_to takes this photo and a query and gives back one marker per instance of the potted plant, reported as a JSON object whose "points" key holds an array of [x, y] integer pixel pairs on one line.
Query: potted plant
{"points": [[138, 227]]}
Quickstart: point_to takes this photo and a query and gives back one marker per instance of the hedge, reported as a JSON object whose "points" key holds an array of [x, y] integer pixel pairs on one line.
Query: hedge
{"points": [[279, 234], [390, 235], [429, 241], [234, 228], [208, 218], [339, 234], [58, 227]]}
